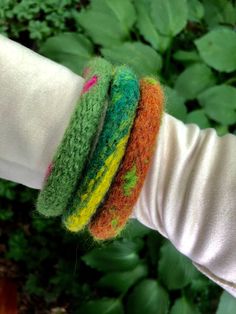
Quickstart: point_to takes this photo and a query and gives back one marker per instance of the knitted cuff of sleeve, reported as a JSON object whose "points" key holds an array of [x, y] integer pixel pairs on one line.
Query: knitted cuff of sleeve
{"points": [[107, 156], [111, 217], [66, 167]]}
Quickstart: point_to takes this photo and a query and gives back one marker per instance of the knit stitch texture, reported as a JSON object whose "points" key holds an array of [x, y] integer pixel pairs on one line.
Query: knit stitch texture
{"points": [[65, 170], [109, 152], [111, 217]]}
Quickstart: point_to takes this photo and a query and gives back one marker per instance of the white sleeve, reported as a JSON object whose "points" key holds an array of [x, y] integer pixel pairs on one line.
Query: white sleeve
{"points": [[189, 194], [37, 97]]}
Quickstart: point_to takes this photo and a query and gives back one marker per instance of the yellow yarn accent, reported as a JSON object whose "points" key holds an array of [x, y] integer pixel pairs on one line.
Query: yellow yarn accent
{"points": [[78, 219]]}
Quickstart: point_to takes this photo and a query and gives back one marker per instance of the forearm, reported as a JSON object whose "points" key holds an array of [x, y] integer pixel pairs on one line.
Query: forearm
{"points": [[37, 97], [189, 196]]}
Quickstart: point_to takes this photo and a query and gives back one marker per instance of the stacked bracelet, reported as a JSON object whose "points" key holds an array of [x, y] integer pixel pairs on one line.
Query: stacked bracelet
{"points": [[66, 167], [103, 165], [112, 216]]}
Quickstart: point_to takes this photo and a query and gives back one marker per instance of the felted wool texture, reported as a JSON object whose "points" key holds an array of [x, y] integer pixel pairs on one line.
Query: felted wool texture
{"points": [[109, 151], [66, 167], [112, 216]]}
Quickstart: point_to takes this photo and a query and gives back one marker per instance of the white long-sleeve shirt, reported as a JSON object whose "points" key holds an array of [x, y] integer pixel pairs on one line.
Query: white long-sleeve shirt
{"points": [[189, 194]]}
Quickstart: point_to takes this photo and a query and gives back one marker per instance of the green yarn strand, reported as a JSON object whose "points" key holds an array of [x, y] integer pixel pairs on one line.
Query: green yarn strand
{"points": [[79, 137]]}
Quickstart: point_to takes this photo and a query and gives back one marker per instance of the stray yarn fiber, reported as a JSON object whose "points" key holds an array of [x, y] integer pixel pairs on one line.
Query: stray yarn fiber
{"points": [[111, 217], [66, 167], [110, 149]]}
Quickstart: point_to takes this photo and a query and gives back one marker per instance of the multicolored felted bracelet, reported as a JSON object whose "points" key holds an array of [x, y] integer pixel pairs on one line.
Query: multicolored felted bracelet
{"points": [[109, 151], [64, 171], [112, 216]]}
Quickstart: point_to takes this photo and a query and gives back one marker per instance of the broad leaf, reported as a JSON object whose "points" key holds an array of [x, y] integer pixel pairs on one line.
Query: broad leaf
{"points": [[122, 281], [142, 58], [107, 22], [194, 80], [117, 256], [70, 49], [195, 10], [175, 269], [135, 229], [184, 306], [147, 28], [175, 104], [148, 297], [227, 304], [154, 242], [169, 16], [106, 306], [198, 117], [219, 103], [217, 48], [187, 57], [219, 12], [221, 129]]}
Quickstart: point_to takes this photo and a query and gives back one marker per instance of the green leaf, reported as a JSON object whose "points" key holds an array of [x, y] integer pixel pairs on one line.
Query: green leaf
{"points": [[154, 243], [108, 22], [187, 57], [201, 284], [198, 117], [217, 48], [219, 12], [123, 10], [175, 104], [8, 189], [18, 246], [117, 256], [32, 285], [194, 80], [221, 129], [70, 49], [147, 28], [122, 281], [104, 306], [142, 58], [219, 103], [175, 269], [184, 306], [135, 229], [148, 297], [227, 304], [6, 214], [169, 17], [195, 10]]}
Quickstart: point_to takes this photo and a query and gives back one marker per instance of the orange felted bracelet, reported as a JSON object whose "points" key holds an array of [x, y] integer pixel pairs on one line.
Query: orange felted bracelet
{"points": [[113, 214]]}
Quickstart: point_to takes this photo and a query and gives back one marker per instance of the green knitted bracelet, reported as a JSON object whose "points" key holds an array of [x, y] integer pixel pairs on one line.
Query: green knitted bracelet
{"points": [[66, 167], [103, 165]]}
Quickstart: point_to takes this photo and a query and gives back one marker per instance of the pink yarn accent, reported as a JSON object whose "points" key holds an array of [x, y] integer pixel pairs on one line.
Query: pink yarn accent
{"points": [[49, 170], [89, 84]]}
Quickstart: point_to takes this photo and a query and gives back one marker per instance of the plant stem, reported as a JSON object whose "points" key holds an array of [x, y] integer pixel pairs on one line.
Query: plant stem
{"points": [[231, 80]]}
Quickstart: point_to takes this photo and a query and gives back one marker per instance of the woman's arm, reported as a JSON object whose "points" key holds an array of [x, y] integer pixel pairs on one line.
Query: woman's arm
{"points": [[37, 97], [189, 194]]}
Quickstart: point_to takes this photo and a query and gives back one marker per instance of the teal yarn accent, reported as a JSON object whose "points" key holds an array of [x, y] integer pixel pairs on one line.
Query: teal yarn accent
{"points": [[107, 156], [73, 151]]}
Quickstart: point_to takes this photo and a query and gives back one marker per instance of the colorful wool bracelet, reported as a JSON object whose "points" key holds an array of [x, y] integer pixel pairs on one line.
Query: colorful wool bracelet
{"points": [[112, 216], [66, 167], [109, 152]]}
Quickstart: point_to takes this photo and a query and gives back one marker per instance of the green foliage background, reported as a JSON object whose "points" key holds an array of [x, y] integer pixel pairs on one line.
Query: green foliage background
{"points": [[190, 46]]}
